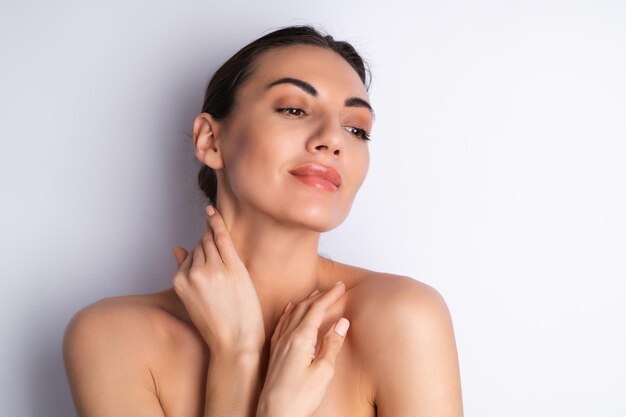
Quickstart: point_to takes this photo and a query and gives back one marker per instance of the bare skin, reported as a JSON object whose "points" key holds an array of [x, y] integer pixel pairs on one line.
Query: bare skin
{"points": [[174, 357], [399, 356]]}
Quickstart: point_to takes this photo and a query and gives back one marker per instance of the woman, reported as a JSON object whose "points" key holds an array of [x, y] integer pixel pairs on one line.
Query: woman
{"points": [[254, 324]]}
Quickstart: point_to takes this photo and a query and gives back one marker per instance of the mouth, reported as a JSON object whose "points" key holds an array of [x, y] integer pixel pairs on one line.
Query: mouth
{"points": [[319, 176]]}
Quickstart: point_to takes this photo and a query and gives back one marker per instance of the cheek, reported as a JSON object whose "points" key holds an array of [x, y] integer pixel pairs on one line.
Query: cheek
{"points": [[366, 165], [360, 167], [246, 169], [255, 165], [357, 171]]}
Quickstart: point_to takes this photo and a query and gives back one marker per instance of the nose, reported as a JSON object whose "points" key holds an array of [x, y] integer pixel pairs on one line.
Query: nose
{"points": [[328, 137]]}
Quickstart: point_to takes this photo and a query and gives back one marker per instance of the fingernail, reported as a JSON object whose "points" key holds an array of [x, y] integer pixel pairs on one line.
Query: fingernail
{"points": [[287, 307], [313, 293], [210, 210], [342, 326], [338, 282]]}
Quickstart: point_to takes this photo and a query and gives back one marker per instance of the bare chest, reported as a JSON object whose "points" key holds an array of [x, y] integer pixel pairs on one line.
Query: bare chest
{"points": [[180, 377]]}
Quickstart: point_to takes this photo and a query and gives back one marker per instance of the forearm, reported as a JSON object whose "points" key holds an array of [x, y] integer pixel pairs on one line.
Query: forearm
{"points": [[265, 408], [232, 388]]}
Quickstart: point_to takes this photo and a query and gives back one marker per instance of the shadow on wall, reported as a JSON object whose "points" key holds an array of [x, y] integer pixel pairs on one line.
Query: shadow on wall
{"points": [[49, 390], [182, 208]]}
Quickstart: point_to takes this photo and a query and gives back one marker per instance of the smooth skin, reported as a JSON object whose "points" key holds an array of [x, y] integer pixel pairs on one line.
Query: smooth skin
{"points": [[147, 355], [219, 296]]}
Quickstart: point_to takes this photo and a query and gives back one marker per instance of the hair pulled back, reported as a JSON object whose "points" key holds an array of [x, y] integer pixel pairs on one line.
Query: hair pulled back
{"points": [[221, 91]]}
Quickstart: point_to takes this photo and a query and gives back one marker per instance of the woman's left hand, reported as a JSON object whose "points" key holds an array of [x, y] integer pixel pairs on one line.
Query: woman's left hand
{"points": [[297, 379]]}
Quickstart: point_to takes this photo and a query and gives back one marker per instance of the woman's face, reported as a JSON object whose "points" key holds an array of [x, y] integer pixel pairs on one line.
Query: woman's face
{"points": [[277, 128]]}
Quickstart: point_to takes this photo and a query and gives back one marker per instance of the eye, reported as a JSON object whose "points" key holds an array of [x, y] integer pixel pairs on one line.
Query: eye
{"points": [[359, 133], [292, 111], [356, 131]]}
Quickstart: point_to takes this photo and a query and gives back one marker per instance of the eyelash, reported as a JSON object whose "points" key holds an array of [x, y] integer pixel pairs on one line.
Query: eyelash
{"points": [[361, 133]]}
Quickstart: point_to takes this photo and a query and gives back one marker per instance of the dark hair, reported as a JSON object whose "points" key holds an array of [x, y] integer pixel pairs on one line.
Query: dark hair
{"points": [[221, 92]]}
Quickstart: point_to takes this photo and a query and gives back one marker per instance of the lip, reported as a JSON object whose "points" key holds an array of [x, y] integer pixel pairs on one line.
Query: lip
{"points": [[318, 170]]}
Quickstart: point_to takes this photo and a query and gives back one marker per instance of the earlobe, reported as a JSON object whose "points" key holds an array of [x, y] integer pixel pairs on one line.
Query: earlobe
{"points": [[207, 149]]}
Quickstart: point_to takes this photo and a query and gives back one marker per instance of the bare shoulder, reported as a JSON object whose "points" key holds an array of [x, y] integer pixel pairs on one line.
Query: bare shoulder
{"points": [[110, 349], [379, 296], [139, 321], [403, 332], [391, 305], [395, 289], [382, 304]]}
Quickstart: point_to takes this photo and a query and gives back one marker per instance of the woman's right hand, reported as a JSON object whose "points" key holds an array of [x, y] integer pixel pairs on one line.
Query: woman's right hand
{"points": [[297, 378], [219, 296]]}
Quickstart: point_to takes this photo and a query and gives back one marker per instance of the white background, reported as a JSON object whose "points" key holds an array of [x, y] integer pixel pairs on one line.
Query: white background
{"points": [[496, 176]]}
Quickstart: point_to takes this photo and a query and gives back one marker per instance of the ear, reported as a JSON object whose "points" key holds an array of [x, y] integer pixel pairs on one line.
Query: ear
{"points": [[205, 138]]}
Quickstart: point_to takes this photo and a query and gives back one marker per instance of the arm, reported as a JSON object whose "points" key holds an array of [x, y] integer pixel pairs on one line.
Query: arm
{"points": [[232, 387], [106, 352], [217, 292], [106, 367], [413, 359]]}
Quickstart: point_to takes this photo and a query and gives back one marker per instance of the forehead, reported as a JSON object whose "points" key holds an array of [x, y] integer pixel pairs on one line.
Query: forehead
{"points": [[325, 69]]}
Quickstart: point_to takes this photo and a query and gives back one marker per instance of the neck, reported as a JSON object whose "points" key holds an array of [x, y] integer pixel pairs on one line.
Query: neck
{"points": [[282, 259]]}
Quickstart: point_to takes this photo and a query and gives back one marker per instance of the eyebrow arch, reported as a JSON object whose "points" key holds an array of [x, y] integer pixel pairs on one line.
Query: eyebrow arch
{"points": [[309, 89]]}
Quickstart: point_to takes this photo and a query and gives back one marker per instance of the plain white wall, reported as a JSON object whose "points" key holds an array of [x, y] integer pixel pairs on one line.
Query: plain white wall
{"points": [[496, 176]]}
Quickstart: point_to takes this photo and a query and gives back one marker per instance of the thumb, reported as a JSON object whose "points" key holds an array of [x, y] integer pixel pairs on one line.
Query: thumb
{"points": [[179, 254], [332, 343]]}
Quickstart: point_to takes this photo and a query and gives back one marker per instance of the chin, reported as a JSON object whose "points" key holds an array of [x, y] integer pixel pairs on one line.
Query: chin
{"points": [[318, 219], [322, 228]]}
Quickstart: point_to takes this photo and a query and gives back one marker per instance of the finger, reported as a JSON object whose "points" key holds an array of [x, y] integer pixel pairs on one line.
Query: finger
{"points": [[198, 254], [314, 316], [302, 304], [210, 249], [320, 301], [187, 262], [315, 292], [180, 277], [290, 318], [331, 345], [179, 254], [222, 238], [281, 323]]}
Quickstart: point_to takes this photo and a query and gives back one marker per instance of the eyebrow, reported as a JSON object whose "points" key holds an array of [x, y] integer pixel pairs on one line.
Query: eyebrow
{"points": [[309, 89]]}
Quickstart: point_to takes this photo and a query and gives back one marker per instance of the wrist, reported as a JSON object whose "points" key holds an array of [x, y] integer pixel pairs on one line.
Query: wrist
{"points": [[267, 408], [243, 358], [263, 410], [240, 349]]}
